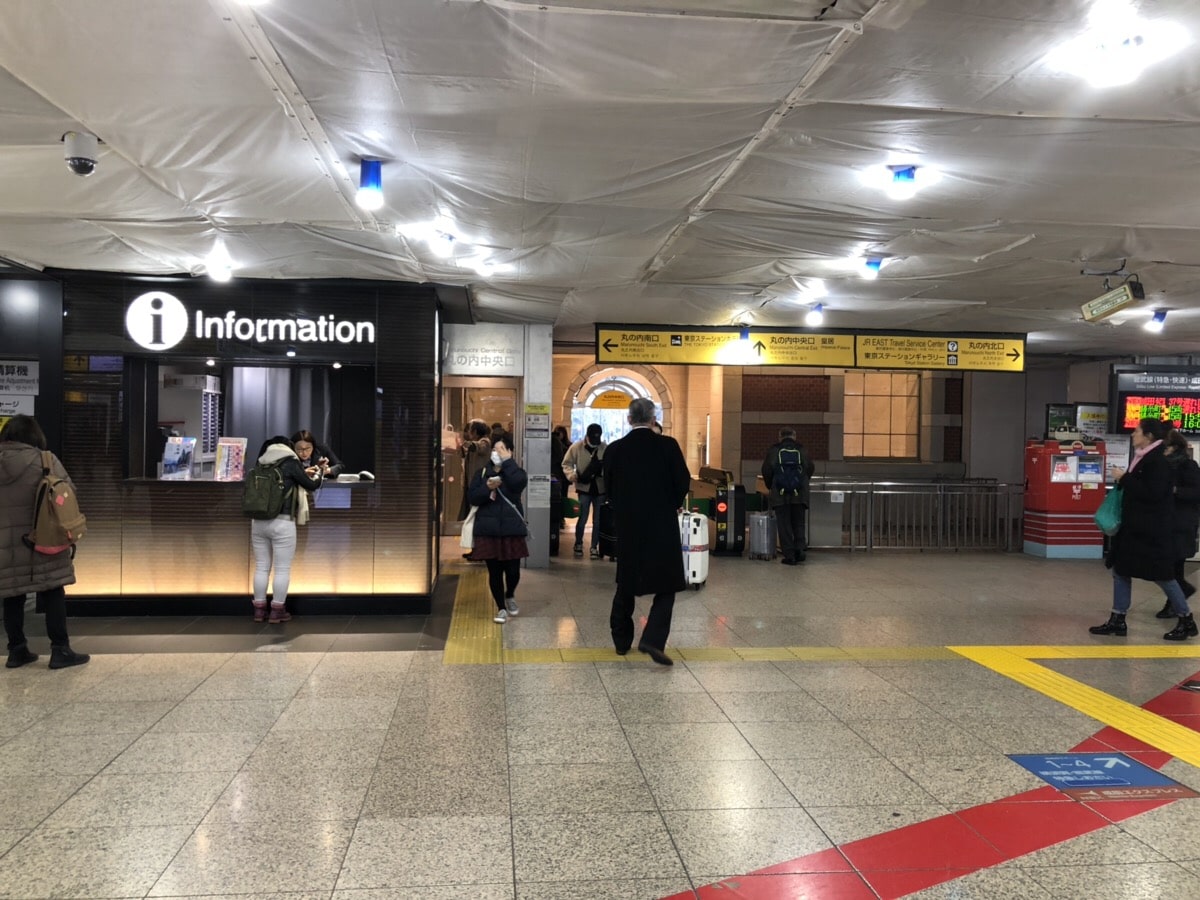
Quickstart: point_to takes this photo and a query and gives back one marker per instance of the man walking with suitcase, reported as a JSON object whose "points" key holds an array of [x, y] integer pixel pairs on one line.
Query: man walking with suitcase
{"points": [[647, 480], [786, 472]]}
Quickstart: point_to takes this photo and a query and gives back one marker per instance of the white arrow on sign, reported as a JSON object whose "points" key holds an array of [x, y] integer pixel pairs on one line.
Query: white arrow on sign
{"points": [[1111, 762]]}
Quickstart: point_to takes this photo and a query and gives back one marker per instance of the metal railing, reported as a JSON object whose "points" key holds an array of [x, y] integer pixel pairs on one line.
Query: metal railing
{"points": [[896, 515]]}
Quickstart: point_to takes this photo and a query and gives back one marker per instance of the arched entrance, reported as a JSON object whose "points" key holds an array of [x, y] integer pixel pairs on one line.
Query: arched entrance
{"points": [[602, 395]]}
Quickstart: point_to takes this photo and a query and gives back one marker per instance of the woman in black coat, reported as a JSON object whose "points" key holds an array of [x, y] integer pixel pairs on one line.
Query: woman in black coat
{"points": [[1186, 478], [500, 529], [1145, 545]]}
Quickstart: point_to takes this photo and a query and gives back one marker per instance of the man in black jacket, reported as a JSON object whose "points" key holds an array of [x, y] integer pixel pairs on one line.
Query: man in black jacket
{"points": [[647, 480], [786, 472]]}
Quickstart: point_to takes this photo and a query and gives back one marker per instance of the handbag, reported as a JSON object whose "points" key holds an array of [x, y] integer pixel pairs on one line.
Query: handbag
{"points": [[467, 539], [517, 511], [1108, 516]]}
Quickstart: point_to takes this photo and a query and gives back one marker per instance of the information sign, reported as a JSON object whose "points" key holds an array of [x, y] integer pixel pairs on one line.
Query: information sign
{"points": [[976, 354], [611, 400], [1102, 776]]}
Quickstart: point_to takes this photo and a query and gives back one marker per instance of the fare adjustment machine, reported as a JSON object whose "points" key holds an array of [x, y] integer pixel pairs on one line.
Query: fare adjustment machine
{"points": [[1064, 486]]}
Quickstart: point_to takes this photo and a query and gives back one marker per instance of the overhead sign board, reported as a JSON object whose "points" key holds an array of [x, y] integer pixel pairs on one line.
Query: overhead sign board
{"points": [[1114, 301], [611, 400], [976, 354], [729, 346]]}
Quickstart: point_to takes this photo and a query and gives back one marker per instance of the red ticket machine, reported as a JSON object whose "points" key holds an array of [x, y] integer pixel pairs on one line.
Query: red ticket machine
{"points": [[1064, 486]]}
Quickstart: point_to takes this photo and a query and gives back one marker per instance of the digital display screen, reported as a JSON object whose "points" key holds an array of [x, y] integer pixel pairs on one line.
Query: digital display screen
{"points": [[1168, 393], [1183, 412]]}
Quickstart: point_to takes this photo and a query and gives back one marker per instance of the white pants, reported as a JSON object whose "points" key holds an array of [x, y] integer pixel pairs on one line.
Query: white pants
{"points": [[272, 540]]}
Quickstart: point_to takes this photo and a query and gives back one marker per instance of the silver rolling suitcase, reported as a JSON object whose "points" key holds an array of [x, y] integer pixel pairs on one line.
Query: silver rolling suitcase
{"points": [[762, 535]]}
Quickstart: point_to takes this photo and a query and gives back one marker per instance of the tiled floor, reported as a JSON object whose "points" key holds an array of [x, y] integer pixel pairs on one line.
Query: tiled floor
{"points": [[816, 738]]}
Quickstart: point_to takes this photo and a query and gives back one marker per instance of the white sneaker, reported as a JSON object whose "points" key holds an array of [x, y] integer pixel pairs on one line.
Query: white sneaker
{"points": [[511, 604], [501, 616]]}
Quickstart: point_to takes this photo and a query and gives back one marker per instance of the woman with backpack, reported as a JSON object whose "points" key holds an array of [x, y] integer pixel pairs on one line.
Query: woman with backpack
{"points": [[274, 536], [22, 569]]}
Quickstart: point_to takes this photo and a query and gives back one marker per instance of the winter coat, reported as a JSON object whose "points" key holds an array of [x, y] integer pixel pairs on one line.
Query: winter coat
{"points": [[576, 462], [1186, 478], [771, 465], [495, 517], [1145, 546], [648, 481], [22, 570], [475, 455]]}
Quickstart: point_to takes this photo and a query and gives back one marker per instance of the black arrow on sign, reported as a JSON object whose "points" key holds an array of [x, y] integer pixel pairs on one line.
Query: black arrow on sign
{"points": [[609, 345], [1013, 354], [759, 347]]}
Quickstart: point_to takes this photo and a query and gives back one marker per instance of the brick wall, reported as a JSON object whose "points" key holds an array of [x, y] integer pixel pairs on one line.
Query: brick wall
{"points": [[954, 400], [799, 393], [757, 437]]}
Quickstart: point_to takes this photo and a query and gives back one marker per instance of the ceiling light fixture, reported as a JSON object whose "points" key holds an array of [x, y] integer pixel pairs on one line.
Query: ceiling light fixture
{"points": [[442, 244], [815, 316], [370, 185], [291, 352], [1157, 320], [901, 181], [210, 362], [1117, 46], [870, 267], [337, 365], [217, 265]]}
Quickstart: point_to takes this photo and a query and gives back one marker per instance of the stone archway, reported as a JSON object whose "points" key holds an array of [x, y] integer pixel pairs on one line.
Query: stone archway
{"points": [[646, 374]]}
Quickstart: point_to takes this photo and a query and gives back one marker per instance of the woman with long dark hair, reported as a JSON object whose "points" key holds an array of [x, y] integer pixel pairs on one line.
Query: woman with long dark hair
{"points": [[1144, 545], [1185, 474], [500, 527]]}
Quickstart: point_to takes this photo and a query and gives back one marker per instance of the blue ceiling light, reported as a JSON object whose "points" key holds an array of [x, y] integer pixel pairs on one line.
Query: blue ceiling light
{"points": [[870, 267], [815, 316], [745, 334], [370, 185], [1156, 321]]}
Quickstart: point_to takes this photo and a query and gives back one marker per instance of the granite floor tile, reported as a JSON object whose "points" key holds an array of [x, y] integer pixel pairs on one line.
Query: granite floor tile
{"points": [[310, 713], [591, 787], [831, 781], [32, 754], [242, 686], [583, 709], [143, 688], [1173, 830], [271, 796], [102, 717], [202, 664], [589, 846], [967, 780], [1120, 881], [805, 740], [143, 799], [666, 708], [997, 883], [693, 740], [1098, 848], [715, 843], [270, 664], [89, 862], [752, 677], [520, 680], [399, 854], [938, 737], [297, 752], [609, 889], [166, 752], [221, 716], [29, 799], [556, 743], [422, 787], [843, 824], [715, 784], [339, 683], [645, 676], [243, 859], [415, 741], [433, 892], [10, 836], [774, 706]]}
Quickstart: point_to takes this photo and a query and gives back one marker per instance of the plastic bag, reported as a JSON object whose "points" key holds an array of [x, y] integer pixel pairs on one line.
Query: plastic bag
{"points": [[1108, 516]]}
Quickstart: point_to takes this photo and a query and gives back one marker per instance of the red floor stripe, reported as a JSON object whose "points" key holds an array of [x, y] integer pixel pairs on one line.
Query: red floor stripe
{"points": [[925, 854]]}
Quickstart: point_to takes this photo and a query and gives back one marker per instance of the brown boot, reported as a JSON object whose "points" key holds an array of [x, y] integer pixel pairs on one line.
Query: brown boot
{"points": [[279, 615]]}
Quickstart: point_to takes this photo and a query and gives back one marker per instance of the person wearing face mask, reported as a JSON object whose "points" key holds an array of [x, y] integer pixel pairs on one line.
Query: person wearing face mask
{"points": [[583, 465], [316, 459], [500, 527]]}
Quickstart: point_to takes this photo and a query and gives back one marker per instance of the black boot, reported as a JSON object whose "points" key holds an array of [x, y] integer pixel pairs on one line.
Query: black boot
{"points": [[62, 656], [1182, 631], [19, 656], [1167, 612], [1114, 625]]}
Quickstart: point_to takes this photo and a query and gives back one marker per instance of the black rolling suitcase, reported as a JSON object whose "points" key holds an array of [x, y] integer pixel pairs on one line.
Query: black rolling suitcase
{"points": [[607, 525]]}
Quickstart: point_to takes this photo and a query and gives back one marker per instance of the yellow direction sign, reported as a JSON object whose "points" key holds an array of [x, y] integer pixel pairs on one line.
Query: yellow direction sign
{"points": [[611, 400], [976, 354], [723, 347]]}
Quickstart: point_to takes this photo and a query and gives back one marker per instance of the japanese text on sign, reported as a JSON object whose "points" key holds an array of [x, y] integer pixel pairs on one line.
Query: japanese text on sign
{"points": [[885, 351], [19, 376], [1182, 412]]}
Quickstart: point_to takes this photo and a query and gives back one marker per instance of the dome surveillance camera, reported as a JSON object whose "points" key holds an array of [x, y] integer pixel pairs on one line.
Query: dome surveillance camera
{"points": [[81, 149]]}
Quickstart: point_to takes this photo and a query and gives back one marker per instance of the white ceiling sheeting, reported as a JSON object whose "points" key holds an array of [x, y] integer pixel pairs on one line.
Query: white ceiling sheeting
{"points": [[619, 161]]}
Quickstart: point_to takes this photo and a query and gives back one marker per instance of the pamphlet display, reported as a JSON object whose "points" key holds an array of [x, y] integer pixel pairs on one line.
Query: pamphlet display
{"points": [[1065, 488], [231, 459], [177, 459]]}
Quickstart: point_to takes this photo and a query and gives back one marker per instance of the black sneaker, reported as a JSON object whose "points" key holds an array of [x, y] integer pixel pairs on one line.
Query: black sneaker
{"points": [[595, 553], [579, 550]]}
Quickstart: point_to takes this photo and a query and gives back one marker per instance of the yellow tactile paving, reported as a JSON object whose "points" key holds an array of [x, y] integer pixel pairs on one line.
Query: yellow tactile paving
{"points": [[474, 637], [1160, 733], [1128, 651]]}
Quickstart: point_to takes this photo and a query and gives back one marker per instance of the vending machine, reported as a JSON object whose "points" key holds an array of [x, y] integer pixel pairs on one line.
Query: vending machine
{"points": [[1064, 486]]}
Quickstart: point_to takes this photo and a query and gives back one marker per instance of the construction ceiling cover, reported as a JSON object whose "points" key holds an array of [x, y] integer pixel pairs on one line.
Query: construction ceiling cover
{"points": [[617, 161]]}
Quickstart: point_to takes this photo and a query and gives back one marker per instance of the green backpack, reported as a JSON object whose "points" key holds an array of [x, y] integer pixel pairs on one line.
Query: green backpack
{"points": [[264, 492]]}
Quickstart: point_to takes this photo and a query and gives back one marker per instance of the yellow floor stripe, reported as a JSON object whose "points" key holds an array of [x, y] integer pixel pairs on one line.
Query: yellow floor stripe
{"points": [[1128, 651], [474, 638], [1156, 731]]}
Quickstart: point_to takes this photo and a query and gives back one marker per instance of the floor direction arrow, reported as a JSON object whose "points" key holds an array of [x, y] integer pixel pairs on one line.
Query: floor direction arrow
{"points": [[1111, 762]]}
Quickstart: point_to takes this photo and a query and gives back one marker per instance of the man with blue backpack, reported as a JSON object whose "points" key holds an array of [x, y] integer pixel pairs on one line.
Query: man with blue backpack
{"points": [[786, 472]]}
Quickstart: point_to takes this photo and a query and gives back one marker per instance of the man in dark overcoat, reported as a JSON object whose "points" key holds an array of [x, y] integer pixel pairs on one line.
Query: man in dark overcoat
{"points": [[647, 480]]}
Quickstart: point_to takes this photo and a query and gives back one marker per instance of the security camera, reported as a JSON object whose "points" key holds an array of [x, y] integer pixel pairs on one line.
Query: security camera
{"points": [[81, 149]]}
